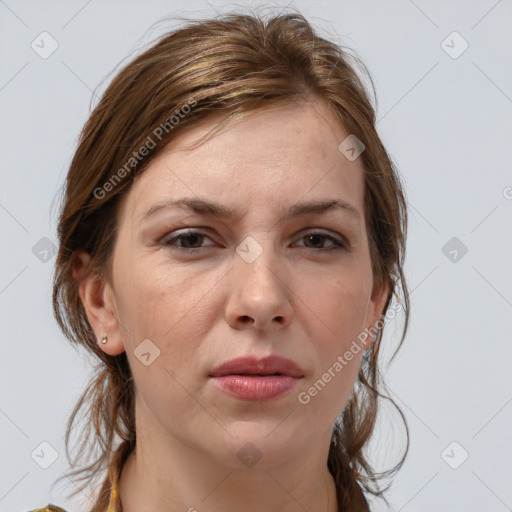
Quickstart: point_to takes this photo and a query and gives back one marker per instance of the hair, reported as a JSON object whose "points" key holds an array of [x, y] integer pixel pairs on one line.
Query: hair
{"points": [[231, 66]]}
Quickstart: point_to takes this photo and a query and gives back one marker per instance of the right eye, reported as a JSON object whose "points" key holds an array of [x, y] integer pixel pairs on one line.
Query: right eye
{"points": [[190, 238]]}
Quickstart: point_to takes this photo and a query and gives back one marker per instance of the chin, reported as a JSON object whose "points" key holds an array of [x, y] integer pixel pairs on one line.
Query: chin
{"points": [[260, 444]]}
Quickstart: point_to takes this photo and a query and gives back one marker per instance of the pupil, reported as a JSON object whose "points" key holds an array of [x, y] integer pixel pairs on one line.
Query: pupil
{"points": [[189, 237], [312, 237]]}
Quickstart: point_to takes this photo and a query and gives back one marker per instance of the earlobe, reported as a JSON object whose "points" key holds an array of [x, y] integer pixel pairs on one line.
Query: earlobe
{"points": [[98, 300]]}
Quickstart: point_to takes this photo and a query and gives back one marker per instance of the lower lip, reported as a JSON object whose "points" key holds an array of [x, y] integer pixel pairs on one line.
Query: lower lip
{"points": [[257, 388]]}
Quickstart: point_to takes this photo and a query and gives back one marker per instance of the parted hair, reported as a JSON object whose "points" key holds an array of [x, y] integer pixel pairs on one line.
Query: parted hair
{"points": [[233, 65]]}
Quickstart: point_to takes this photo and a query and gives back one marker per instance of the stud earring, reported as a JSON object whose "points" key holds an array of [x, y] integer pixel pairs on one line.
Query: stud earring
{"points": [[104, 339]]}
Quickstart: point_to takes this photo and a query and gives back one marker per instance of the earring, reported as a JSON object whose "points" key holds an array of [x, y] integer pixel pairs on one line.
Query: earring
{"points": [[104, 339]]}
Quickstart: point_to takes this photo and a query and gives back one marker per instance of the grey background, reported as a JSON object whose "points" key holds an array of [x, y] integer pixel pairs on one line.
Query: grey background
{"points": [[445, 120]]}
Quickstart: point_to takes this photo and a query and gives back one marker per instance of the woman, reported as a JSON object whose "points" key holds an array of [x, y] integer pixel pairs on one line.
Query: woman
{"points": [[231, 238]]}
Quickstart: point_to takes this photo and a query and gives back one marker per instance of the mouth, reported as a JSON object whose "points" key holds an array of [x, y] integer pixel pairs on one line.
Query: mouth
{"points": [[252, 379]]}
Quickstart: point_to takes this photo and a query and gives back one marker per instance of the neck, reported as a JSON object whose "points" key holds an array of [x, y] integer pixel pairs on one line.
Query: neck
{"points": [[167, 475]]}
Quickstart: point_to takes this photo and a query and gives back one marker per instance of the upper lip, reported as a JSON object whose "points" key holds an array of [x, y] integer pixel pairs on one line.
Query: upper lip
{"points": [[251, 365]]}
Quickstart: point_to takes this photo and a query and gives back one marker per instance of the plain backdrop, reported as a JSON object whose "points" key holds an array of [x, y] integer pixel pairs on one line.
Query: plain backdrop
{"points": [[443, 73]]}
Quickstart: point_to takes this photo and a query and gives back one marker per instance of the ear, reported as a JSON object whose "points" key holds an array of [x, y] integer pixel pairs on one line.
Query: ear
{"points": [[99, 303], [376, 304]]}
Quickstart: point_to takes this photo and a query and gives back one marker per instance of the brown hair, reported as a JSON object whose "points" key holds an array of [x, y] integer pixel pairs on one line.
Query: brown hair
{"points": [[232, 65]]}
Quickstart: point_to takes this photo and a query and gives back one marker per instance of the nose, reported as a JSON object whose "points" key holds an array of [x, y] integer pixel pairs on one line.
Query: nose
{"points": [[259, 295]]}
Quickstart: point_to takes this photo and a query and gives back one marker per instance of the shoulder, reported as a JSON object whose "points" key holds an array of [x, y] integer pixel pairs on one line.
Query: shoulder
{"points": [[48, 508]]}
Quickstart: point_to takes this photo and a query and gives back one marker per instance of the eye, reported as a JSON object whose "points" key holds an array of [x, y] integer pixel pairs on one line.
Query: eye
{"points": [[190, 239], [316, 238]]}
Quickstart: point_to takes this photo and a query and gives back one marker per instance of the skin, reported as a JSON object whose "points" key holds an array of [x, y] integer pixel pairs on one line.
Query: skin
{"points": [[299, 299]]}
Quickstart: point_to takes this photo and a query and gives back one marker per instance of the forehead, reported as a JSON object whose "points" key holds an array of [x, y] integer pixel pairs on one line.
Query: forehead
{"points": [[269, 159]]}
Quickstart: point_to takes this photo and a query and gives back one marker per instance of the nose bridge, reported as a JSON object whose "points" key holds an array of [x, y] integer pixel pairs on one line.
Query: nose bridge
{"points": [[258, 290], [256, 261]]}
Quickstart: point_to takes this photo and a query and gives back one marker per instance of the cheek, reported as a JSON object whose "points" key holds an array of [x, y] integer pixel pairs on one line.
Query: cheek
{"points": [[169, 308], [338, 306], [173, 309], [160, 300]]}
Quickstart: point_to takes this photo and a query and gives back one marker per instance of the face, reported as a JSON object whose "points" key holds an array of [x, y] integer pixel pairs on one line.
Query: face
{"points": [[192, 289]]}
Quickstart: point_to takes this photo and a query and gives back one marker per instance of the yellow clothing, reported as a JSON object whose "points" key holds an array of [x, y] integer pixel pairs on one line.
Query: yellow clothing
{"points": [[112, 482], [49, 508]]}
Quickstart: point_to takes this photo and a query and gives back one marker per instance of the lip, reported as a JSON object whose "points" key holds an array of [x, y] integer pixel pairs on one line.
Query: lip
{"points": [[251, 365], [249, 378]]}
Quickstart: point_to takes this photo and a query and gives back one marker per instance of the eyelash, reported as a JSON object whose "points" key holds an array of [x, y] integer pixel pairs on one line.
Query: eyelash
{"points": [[338, 245]]}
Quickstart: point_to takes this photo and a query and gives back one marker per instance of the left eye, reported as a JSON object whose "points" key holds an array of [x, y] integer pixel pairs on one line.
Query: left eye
{"points": [[190, 239], [318, 237]]}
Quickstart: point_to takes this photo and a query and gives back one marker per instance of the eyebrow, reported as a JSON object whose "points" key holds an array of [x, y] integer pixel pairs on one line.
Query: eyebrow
{"points": [[210, 208]]}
